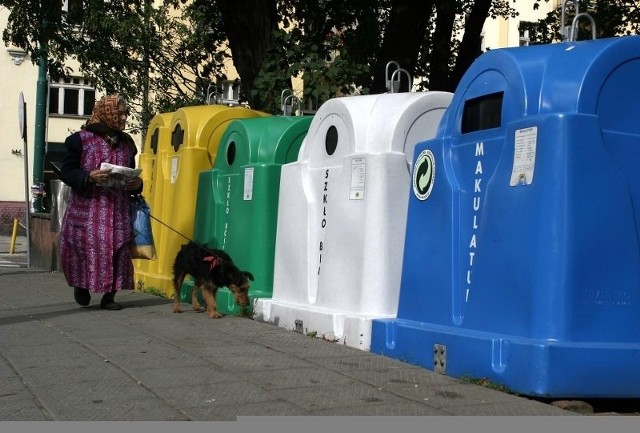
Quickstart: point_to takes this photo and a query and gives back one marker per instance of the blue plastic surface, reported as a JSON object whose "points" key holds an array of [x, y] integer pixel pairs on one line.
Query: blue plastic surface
{"points": [[522, 260]]}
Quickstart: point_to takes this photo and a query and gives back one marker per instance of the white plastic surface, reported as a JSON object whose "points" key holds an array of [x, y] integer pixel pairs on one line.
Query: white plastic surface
{"points": [[342, 217]]}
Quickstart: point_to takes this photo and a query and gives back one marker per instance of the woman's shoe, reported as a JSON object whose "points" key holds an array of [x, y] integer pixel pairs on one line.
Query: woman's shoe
{"points": [[107, 302], [82, 296]]}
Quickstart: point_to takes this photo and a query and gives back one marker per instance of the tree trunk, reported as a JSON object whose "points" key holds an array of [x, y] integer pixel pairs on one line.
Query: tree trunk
{"points": [[249, 25], [471, 45], [439, 65], [403, 38]]}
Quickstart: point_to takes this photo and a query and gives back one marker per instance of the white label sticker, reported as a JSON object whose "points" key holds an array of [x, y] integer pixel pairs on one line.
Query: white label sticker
{"points": [[248, 183], [174, 169], [358, 178], [524, 156]]}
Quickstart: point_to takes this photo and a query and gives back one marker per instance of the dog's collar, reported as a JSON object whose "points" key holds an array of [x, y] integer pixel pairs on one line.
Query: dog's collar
{"points": [[213, 261]]}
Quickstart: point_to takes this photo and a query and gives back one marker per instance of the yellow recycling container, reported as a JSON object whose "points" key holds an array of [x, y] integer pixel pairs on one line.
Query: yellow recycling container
{"points": [[157, 141]]}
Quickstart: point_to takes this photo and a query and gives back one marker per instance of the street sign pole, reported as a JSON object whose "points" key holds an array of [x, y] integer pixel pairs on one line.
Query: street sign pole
{"points": [[22, 119]]}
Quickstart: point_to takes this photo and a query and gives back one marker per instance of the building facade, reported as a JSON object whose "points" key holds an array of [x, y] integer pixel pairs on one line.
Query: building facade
{"points": [[70, 103], [505, 32]]}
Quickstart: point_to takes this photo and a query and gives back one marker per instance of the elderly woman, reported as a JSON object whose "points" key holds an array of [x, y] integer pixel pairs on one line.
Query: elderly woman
{"points": [[96, 229]]}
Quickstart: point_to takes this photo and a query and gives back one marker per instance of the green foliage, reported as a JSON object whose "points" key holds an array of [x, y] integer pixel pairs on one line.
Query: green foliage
{"points": [[483, 381], [154, 291], [246, 312], [325, 66], [162, 55], [272, 78], [612, 18], [159, 56]]}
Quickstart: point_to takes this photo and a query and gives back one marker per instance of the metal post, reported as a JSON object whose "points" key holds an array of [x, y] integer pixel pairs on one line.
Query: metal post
{"points": [[40, 130], [145, 117], [23, 134]]}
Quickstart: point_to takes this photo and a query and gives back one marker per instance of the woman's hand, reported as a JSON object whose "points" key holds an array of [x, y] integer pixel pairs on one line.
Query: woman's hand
{"points": [[99, 176], [133, 184]]}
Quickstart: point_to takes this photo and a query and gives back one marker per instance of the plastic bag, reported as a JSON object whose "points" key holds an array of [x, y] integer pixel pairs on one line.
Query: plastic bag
{"points": [[142, 246]]}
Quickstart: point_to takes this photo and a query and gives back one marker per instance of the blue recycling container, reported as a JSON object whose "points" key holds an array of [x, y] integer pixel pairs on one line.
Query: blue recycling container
{"points": [[522, 256]]}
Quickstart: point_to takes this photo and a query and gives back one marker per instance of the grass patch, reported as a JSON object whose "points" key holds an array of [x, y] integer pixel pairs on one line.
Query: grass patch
{"points": [[483, 381], [323, 337], [246, 311], [154, 291]]}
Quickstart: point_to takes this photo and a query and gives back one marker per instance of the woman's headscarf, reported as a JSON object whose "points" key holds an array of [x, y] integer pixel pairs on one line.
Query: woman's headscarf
{"points": [[105, 111]]}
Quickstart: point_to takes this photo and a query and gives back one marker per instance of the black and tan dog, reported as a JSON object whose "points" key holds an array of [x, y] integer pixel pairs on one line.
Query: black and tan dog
{"points": [[210, 269]]}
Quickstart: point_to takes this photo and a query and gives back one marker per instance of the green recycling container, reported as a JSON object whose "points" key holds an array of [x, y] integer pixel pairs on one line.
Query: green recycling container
{"points": [[237, 200]]}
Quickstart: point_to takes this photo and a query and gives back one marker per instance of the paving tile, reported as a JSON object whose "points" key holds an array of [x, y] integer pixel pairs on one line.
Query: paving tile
{"points": [[298, 377], [210, 395], [233, 412], [159, 376], [388, 409], [337, 396], [276, 361]]}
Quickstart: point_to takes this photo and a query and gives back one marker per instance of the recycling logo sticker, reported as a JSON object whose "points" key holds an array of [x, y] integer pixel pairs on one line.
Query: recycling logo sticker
{"points": [[424, 173]]}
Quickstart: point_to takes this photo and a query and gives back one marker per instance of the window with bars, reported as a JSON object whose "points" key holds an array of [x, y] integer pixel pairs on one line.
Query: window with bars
{"points": [[74, 10], [524, 38], [71, 96]]}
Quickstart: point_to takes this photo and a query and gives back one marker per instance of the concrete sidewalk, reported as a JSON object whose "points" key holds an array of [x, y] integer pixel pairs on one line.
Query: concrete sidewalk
{"points": [[59, 361], [17, 259]]}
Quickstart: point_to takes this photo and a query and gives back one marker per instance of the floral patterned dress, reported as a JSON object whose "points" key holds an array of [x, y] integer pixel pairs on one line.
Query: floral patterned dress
{"points": [[96, 229]]}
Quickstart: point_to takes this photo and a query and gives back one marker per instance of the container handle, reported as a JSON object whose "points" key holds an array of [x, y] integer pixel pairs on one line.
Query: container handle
{"points": [[396, 80], [574, 26]]}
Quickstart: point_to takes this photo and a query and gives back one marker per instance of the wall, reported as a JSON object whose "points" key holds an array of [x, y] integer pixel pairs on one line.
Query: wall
{"points": [[502, 33]]}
